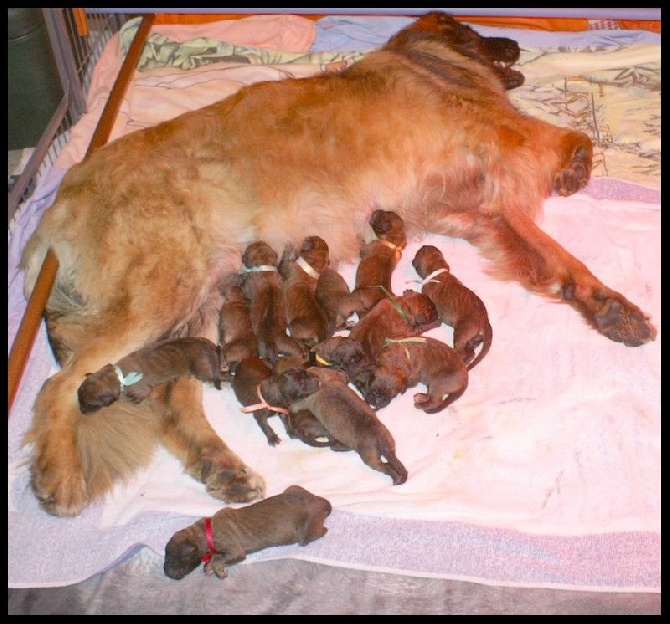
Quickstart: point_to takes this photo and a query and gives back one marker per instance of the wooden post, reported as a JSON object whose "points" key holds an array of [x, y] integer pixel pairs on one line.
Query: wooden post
{"points": [[25, 336]]}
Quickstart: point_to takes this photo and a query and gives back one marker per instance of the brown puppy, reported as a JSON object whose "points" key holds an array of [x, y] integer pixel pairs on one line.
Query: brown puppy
{"points": [[136, 375], [379, 259], [405, 362], [264, 393], [303, 425], [164, 213], [410, 314], [456, 304], [235, 330], [296, 516], [262, 286], [335, 297], [352, 422], [306, 319]]}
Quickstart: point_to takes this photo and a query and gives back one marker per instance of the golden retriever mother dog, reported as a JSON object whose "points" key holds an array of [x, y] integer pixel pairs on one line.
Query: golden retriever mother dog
{"points": [[147, 229]]}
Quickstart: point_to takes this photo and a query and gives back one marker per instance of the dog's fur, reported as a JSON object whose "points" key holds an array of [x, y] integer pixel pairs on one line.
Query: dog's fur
{"points": [[145, 229], [404, 363], [335, 297], [296, 516], [267, 310], [458, 306], [156, 364], [379, 258], [307, 321], [352, 422], [236, 332], [410, 314]]}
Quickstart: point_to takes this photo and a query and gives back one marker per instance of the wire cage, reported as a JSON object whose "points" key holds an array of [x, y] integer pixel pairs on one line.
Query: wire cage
{"points": [[77, 38]]}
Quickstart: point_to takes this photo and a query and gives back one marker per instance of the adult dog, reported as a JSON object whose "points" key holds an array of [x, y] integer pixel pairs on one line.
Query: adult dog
{"points": [[147, 228]]}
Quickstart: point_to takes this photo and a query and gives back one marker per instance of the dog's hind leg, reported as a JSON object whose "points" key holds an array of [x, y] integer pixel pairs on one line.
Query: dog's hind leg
{"points": [[78, 458], [522, 251], [186, 432]]}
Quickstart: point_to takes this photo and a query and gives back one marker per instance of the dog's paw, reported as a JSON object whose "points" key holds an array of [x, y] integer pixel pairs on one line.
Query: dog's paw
{"points": [[621, 321], [234, 483], [57, 480], [216, 565], [576, 172]]}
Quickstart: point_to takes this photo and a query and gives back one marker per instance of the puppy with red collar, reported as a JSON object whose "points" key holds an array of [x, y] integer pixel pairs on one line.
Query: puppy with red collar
{"points": [[296, 516]]}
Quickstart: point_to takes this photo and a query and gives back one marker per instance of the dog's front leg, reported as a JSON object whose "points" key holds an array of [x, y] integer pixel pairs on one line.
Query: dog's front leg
{"points": [[186, 432], [522, 251]]}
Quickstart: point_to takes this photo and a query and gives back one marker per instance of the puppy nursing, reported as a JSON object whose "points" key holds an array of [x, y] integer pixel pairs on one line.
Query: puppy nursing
{"points": [[307, 321], [379, 258], [262, 286]]}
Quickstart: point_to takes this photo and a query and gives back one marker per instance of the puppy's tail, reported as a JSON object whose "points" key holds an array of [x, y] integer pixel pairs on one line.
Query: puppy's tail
{"points": [[485, 338]]}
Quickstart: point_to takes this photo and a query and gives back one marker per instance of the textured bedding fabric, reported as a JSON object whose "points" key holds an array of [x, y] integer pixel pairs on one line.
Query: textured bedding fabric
{"points": [[545, 474]]}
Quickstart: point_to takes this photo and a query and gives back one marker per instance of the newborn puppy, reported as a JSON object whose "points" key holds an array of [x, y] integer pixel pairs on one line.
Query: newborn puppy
{"points": [[235, 331], [264, 393], [379, 259], [306, 319], [294, 516], [302, 424], [410, 314], [352, 422], [333, 294], [262, 286], [456, 304], [405, 362], [137, 374]]}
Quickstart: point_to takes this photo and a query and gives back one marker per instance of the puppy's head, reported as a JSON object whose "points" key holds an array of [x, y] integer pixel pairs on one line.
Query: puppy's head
{"points": [[420, 309], [296, 383], [496, 53], [389, 226], [182, 555], [428, 259], [378, 386], [315, 252], [98, 390], [258, 253]]}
